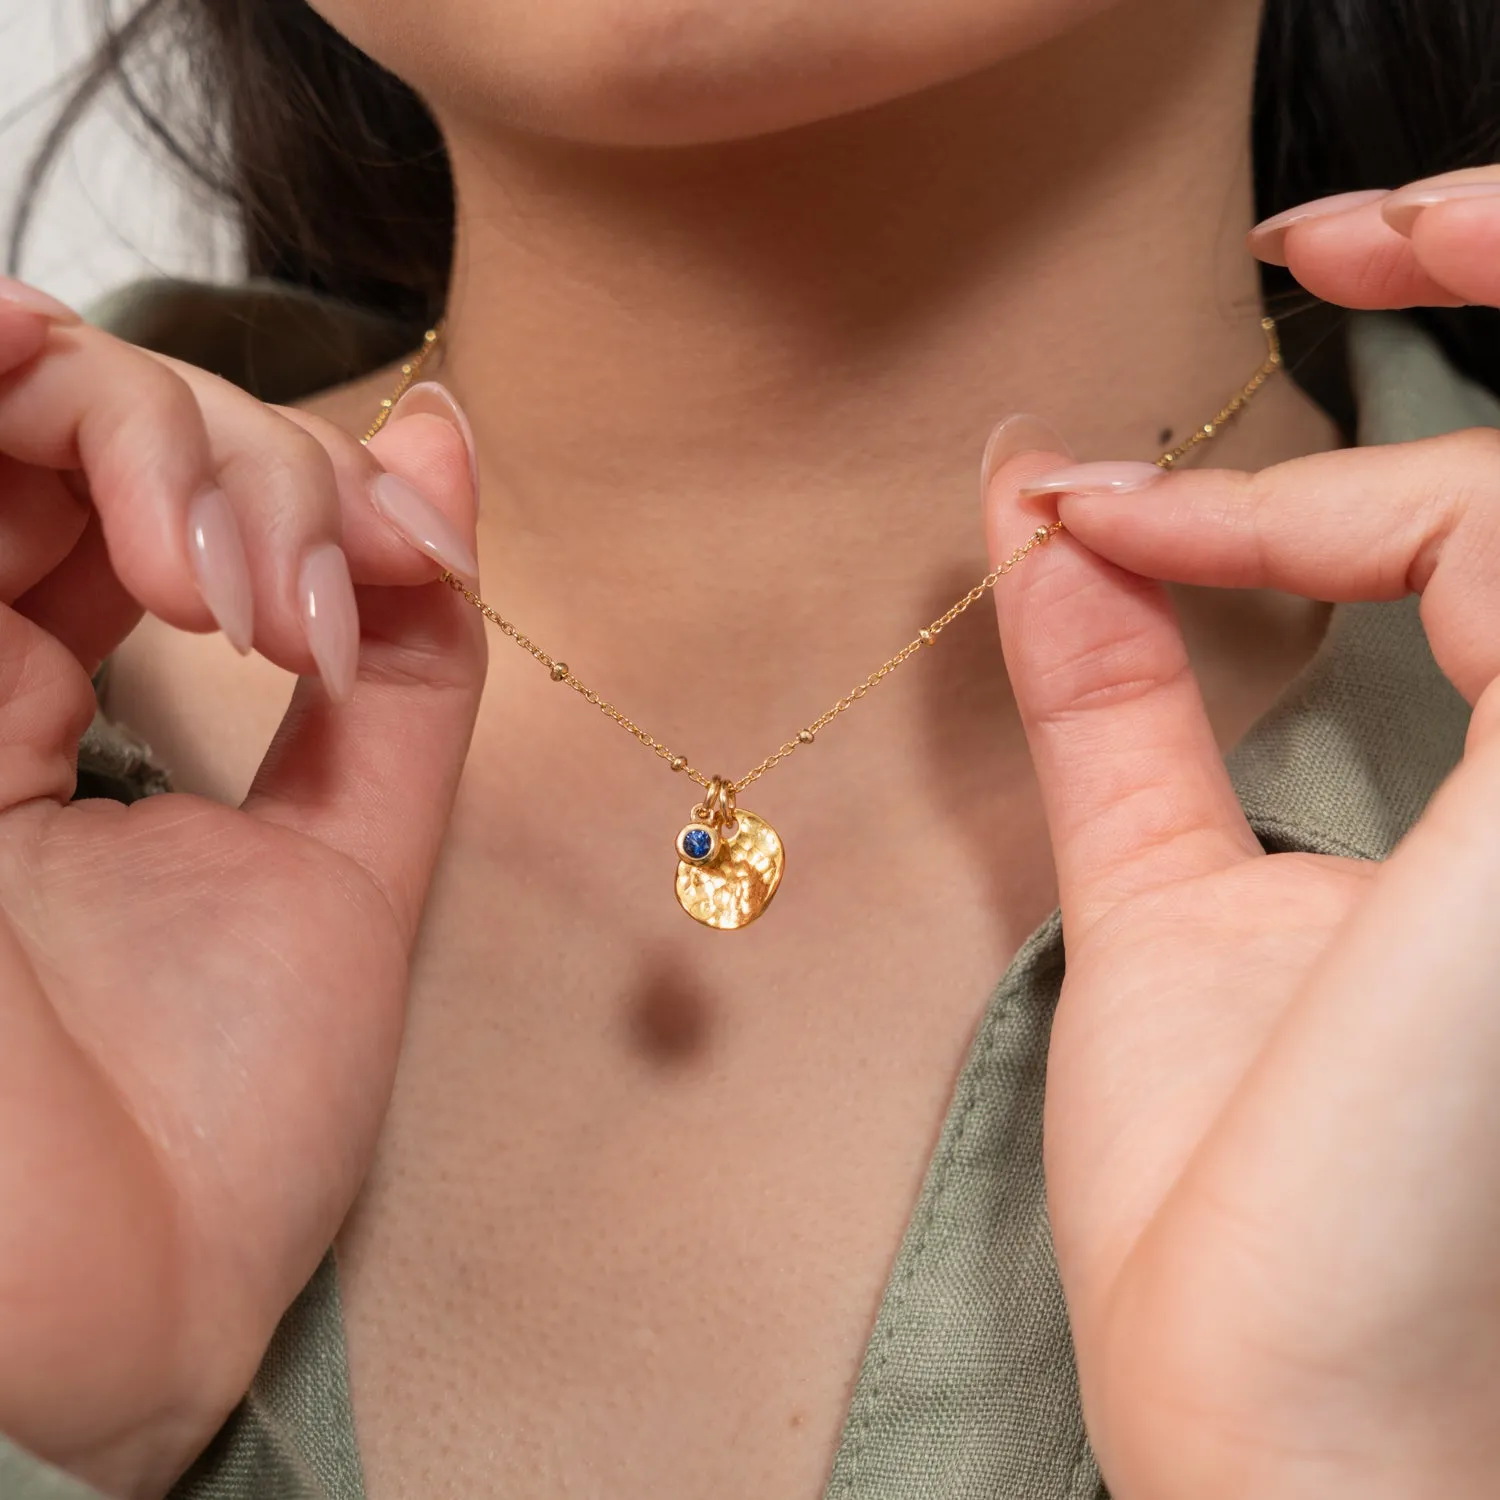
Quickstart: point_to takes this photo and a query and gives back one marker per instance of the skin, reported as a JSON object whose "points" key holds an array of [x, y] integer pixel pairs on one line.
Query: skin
{"points": [[612, 1135]]}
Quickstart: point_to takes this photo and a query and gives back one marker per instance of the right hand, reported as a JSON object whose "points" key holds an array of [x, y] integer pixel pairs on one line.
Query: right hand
{"points": [[200, 1006]]}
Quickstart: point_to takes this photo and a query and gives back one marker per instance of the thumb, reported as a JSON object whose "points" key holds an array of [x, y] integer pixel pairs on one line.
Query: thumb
{"points": [[374, 778], [1132, 781]]}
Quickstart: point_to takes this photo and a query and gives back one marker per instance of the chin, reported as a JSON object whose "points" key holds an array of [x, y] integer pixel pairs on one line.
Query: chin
{"points": [[685, 72]]}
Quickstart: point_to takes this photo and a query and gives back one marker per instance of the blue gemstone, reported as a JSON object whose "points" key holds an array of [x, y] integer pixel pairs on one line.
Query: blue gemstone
{"points": [[697, 843]]}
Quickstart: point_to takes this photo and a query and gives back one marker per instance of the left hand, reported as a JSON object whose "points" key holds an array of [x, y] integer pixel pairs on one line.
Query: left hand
{"points": [[1273, 1120]]}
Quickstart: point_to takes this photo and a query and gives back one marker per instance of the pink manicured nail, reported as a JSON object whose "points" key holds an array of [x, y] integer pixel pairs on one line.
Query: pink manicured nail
{"points": [[1021, 433], [29, 299], [218, 557], [1267, 240], [1097, 479], [1406, 205], [423, 525], [429, 398], [331, 618]]}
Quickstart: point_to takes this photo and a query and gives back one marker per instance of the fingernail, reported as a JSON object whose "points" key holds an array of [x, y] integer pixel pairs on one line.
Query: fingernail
{"points": [[330, 618], [1021, 433], [429, 398], [1097, 479], [423, 525], [29, 299], [1406, 205], [1268, 239], [218, 557]]}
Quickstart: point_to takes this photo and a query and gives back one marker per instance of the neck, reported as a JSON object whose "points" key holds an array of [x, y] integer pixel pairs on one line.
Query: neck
{"points": [[740, 371]]}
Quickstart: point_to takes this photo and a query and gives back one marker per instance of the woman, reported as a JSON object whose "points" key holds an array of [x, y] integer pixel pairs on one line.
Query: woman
{"points": [[655, 1210]]}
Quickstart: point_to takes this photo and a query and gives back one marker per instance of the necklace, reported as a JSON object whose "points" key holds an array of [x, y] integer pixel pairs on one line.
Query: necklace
{"points": [[730, 860]]}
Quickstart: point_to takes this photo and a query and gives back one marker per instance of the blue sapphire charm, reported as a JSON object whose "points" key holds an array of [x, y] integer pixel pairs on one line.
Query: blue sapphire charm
{"points": [[697, 843], [729, 862]]}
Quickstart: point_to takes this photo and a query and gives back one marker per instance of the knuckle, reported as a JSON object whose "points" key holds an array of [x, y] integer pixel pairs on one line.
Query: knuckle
{"points": [[164, 394], [159, 398], [302, 453], [1458, 498], [420, 665], [345, 454], [1084, 692], [310, 425], [1475, 450], [1377, 277], [119, 439], [1105, 671], [414, 645], [289, 465], [1253, 499], [1246, 515]]}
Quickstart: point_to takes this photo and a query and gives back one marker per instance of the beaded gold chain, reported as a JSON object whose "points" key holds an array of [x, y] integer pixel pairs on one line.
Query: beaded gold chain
{"points": [[729, 860]]}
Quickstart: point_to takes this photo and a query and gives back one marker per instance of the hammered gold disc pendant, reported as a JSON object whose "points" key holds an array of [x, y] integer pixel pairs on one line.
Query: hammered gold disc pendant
{"points": [[729, 862]]}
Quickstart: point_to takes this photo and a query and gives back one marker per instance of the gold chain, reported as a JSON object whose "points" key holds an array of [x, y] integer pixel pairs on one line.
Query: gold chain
{"points": [[927, 637]]}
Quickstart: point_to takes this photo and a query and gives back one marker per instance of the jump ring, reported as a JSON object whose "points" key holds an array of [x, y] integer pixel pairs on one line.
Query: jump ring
{"points": [[719, 802]]}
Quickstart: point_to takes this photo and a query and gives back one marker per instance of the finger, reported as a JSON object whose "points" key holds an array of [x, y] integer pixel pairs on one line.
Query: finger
{"points": [[1456, 245], [234, 522], [85, 402], [46, 698], [1429, 244], [391, 526], [1134, 787], [413, 490], [281, 488], [27, 319], [250, 523], [41, 520], [375, 777], [1367, 523], [296, 481], [1453, 223], [1351, 257], [81, 604], [1380, 1079], [46, 703]]}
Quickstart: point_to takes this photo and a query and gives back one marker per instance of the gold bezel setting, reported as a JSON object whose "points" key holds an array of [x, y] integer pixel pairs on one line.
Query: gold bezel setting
{"points": [[690, 848]]}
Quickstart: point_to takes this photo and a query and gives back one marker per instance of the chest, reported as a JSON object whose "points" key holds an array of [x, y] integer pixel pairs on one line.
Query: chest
{"points": [[641, 1186]]}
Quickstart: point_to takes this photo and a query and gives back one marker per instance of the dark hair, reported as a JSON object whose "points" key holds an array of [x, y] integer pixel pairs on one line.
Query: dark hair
{"points": [[337, 173], [332, 167]]}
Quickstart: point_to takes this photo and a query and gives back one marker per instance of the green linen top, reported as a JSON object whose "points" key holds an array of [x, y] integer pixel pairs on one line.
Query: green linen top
{"points": [[967, 1390]]}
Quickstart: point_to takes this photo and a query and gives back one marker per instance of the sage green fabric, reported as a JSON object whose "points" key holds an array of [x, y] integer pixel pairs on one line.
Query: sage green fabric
{"points": [[967, 1390], [293, 1435]]}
